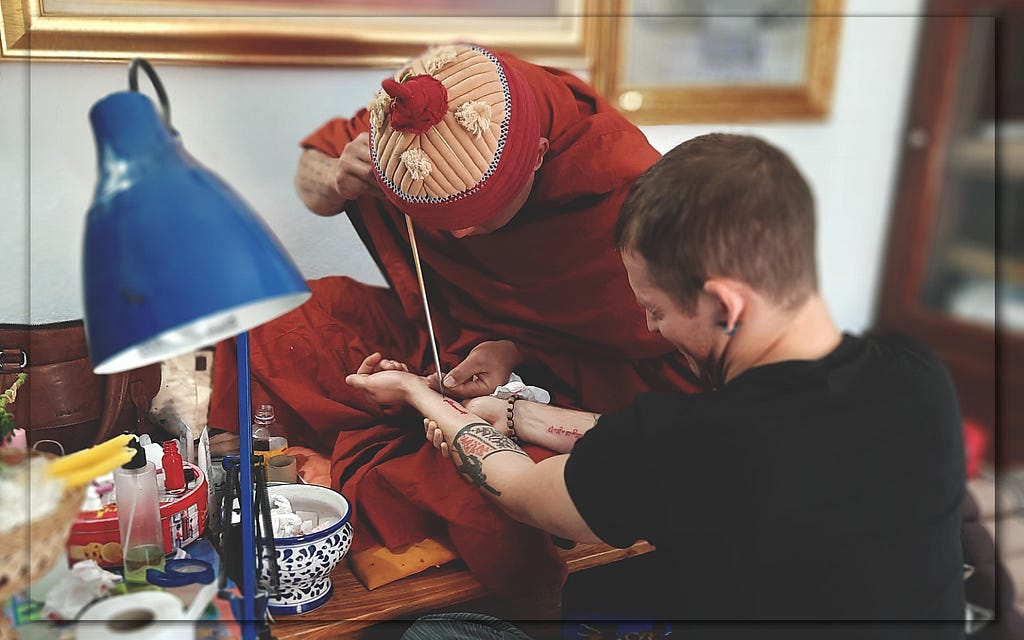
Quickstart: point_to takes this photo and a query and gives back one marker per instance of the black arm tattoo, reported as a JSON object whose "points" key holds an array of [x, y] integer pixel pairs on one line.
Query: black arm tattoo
{"points": [[474, 442]]}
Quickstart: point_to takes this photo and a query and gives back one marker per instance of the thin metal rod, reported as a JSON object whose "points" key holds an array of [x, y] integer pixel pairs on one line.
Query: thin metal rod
{"points": [[426, 305]]}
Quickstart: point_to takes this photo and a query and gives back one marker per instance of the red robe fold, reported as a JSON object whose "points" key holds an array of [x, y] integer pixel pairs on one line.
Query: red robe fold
{"points": [[551, 281]]}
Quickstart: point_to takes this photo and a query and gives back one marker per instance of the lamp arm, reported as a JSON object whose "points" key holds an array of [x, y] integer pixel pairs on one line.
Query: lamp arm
{"points": [[154, 79], [245, 494]]}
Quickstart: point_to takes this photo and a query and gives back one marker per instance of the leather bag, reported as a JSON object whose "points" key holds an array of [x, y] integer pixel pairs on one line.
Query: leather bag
{"points": [[63, 399]]}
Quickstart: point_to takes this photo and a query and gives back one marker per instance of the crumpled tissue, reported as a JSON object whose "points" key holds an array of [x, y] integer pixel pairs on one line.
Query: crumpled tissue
{"points": [[516, 387], [287, 523], [85, 583]]}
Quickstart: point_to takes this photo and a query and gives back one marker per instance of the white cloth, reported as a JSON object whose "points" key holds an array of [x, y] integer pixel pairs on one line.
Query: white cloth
{"points": [[516, 387]]}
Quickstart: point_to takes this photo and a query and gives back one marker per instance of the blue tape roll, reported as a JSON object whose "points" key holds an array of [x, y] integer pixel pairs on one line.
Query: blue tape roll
{"points": [[180, 572]]}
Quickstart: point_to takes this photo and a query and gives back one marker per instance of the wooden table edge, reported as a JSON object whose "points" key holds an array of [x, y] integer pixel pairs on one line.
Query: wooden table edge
{"points": [[405, 599]]}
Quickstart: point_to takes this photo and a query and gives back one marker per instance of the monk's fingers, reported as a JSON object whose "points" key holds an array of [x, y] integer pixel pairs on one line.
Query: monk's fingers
{"points": [[371, 186], [444, 450], [472, 388], [387, 364]]}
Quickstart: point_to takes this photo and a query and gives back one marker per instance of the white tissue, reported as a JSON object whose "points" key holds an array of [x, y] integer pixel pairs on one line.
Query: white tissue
{"points": [[86, 582], [282, 518], [516, 387], [287, 522], [280, 504]]}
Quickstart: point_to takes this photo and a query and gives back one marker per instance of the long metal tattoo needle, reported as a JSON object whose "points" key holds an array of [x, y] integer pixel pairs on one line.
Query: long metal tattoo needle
{"points": [[426, 305]]}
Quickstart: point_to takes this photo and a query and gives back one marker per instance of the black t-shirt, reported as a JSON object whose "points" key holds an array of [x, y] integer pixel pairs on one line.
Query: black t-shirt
{"points": [[801, 490]]}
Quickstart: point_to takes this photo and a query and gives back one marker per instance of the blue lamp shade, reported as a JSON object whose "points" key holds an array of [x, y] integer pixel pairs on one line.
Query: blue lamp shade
{"points": [[173, 259]]}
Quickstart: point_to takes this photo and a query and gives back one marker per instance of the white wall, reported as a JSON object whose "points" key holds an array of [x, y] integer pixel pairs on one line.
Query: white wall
{"points": [[245, 123]]}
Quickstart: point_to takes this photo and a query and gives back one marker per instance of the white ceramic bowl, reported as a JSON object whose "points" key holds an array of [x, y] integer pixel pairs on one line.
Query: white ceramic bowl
{"points": [[305, 562]]}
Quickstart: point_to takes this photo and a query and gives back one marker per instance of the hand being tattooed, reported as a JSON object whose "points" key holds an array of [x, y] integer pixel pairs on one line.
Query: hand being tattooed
{"points": [[385, 382]]}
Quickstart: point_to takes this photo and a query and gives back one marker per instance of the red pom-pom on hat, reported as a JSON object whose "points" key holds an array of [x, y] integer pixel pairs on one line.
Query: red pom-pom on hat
{"points": [[418, 102]]}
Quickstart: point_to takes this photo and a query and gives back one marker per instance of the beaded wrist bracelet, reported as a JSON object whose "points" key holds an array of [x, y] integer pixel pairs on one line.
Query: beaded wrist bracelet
{"points": [[509, 419]]}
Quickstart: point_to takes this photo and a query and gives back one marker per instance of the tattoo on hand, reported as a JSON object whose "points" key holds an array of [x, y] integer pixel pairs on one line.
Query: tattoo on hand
{"points": [[474, 443]]}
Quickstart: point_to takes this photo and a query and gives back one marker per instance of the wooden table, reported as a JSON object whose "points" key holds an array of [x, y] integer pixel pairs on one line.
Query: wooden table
{"points": [[353, 608]]}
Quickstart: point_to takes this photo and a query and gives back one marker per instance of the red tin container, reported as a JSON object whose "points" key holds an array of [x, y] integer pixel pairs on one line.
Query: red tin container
{"points": [[95, 534]]}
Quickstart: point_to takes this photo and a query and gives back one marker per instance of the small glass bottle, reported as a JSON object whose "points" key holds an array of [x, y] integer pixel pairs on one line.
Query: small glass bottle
{"points": [[138, 516], [174, 467], [267, 435]]}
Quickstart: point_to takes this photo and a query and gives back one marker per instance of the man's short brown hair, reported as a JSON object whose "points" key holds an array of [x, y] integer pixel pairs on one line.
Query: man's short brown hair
{"points": [[723, 205]]}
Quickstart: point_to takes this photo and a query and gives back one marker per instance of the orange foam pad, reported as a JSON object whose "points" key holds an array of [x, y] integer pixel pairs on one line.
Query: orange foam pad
{"points": [[377, 565]]}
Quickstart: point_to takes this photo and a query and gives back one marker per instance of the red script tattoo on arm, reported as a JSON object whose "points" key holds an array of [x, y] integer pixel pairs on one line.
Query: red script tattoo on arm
{"points": [[573, 433], [455, 405]]}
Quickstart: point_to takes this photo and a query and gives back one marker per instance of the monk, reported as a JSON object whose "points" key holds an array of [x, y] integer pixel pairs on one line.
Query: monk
{"points": [[512, 175]]}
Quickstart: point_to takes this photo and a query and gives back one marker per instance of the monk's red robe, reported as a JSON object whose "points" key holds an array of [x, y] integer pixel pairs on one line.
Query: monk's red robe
{"points": [[551, 281]]}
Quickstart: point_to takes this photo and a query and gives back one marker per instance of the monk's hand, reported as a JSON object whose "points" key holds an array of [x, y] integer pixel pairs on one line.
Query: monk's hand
{"points": [[375, 363], [353, 175], [487, 366], [435, 437]]}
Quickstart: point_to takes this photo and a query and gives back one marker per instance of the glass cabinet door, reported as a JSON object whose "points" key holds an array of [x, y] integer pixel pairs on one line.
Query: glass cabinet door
{"points": [[974, 269], [954, 273]]}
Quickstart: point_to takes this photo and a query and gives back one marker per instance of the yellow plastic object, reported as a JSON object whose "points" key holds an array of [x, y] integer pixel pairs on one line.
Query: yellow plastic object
{"points": [[77, 476], [89, 457]]}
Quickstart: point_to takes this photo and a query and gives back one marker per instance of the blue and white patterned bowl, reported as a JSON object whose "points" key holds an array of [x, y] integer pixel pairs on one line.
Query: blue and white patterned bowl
{"points": [[305, 562]]}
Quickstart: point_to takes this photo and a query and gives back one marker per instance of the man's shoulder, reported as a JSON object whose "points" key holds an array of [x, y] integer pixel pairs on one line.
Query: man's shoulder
{"points": [[900, 348], [907, 359]]}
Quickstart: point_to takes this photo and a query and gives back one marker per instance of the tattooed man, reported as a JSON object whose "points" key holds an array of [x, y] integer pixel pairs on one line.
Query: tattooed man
{"points": [[821, 476]]}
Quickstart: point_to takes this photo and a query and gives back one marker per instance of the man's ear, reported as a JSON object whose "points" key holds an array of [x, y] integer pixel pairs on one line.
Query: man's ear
{"points": [[542, 149], [730, 299]]}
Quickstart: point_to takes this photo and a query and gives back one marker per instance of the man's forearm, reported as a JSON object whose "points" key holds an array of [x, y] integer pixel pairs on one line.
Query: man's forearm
{"points": [[314, 184], [472, 440], [554, 428], [533, 493]]}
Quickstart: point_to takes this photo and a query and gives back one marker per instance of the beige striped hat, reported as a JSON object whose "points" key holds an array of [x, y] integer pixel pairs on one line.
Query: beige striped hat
{"points": [[453, 136]]}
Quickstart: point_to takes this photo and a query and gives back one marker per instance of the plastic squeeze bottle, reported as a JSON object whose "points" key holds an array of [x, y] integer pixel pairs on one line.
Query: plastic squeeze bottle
{"points": [[138, 516]]}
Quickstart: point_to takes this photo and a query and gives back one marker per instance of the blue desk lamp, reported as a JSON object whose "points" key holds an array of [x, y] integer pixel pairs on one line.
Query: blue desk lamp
{"points": [[174, 260]]}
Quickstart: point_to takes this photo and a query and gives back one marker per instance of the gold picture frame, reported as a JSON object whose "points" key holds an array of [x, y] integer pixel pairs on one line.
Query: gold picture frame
{"points": [[384, 33], [671, 97]]}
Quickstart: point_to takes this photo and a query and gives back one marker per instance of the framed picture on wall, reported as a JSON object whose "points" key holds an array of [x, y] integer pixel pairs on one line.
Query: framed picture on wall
{"points": [[381, 33], [672, 61]]}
